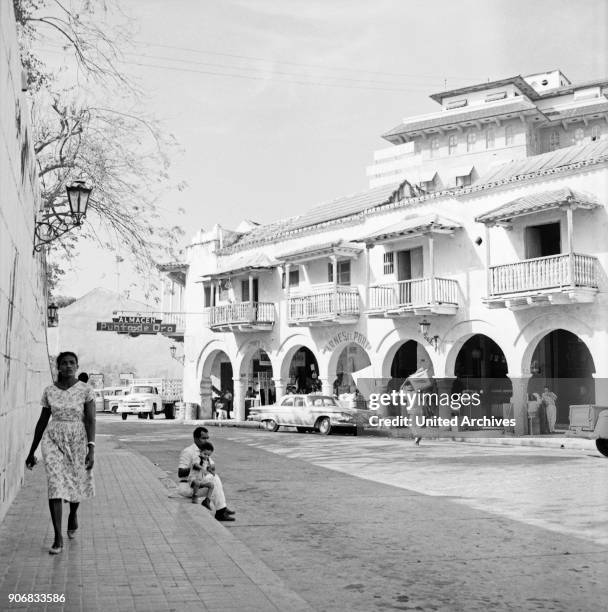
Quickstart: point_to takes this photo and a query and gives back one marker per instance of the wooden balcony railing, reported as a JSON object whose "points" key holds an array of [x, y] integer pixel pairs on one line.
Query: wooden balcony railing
{"points": [[241, 313], [552, 272], [323, 303], [418, 292]]}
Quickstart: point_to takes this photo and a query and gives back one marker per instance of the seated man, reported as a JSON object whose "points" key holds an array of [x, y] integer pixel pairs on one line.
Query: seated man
{"points": [[191, 456]]}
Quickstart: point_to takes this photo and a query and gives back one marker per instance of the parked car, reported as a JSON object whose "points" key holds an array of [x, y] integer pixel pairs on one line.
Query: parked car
{"points": [[313, 412], [106, 399], [591, 422]]}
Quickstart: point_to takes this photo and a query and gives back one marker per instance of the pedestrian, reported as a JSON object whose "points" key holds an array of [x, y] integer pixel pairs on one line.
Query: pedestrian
{"points": [[66, 432], [548, 399], [188, 457], [201, 475]]}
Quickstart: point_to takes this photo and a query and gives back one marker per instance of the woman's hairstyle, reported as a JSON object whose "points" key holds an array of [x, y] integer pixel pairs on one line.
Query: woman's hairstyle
{"points": [[65, 354]]}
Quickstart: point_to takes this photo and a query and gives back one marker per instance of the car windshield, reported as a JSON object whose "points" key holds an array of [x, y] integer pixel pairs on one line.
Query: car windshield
{"points": [[143, 389]]}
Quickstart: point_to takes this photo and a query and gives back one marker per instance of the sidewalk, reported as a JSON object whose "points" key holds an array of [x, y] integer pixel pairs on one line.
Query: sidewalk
{"points": [[473, 437], [137, 549]]}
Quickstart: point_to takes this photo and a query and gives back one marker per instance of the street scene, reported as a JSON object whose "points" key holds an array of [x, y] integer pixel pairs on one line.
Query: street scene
{"points": [[338, 523], [303, 305]]}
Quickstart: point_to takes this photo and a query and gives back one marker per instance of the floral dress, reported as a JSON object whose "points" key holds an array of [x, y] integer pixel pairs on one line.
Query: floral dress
{"points": [[64, 444]]}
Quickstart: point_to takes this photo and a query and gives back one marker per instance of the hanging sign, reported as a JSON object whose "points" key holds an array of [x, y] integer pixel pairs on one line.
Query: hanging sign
{"points": [[136, 325]]}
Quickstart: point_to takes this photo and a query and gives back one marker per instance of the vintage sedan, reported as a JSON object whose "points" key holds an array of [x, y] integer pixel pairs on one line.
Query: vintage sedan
{"points": [[313, 412]]}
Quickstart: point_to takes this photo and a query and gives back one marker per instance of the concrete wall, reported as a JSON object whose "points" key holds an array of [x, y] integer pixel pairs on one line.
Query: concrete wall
{"points": [[24, 368]]}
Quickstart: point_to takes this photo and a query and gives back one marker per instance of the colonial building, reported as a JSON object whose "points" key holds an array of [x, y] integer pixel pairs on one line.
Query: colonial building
{"points": [[479, 252]]}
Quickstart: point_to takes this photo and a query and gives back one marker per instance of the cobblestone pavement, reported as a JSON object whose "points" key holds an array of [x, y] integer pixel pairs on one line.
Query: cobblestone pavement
{"points": [[378, 524], [136, 549]]}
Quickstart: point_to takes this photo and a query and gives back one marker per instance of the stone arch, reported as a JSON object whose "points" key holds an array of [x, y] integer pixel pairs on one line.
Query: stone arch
{"points": [[461, 332], [289, 348], [363, 357], [205, 364], [388, 356], [246, 352]]}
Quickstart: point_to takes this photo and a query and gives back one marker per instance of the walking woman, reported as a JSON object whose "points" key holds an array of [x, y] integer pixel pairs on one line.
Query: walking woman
{"points": [[66, 428]]}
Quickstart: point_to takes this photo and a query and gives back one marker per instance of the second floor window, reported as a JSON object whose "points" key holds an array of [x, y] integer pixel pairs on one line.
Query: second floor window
{"points": [[294, 278], [343, 272], [434, 147], [389, 263], [471, 139], [595, 133], [490, 138], [452, 144], [554, 140]]}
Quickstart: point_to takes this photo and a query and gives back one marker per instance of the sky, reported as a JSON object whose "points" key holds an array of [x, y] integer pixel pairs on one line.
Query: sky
{"points": [[278, 105]]}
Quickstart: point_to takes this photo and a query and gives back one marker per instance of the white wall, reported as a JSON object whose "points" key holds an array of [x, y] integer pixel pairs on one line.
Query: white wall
{"points": [[24, 367]]}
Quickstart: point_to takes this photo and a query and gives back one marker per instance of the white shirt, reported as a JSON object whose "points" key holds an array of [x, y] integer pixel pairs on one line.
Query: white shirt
{"points": [[189, 456]]}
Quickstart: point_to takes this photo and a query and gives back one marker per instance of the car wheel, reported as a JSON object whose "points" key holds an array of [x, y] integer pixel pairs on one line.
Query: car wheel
{"points": [[271, 425], [124, 416], [602, 446], [302, 429], [113, 411], [324, 426], [170, 411], [151, 414]]}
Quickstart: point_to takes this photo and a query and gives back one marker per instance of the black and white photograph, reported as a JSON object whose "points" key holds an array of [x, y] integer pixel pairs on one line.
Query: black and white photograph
{"points": [[304, 305]]}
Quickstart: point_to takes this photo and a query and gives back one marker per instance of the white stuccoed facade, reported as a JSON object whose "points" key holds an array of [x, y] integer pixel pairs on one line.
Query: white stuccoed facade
{"points": [[495, 291]]}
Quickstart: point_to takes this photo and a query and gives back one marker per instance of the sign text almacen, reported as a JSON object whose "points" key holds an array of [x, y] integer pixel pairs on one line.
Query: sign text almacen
{"points": [[136, 325]]}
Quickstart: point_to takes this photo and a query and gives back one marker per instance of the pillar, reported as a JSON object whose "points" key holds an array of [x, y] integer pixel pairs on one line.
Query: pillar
{"points": [[444, 386], [488, 263], [238, 398], [327, 387], [519, 401], [205, 391], [432, 266], [279, 389]]}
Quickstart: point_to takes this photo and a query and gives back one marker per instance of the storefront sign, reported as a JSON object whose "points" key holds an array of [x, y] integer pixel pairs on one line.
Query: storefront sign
{"points": [[136, 325], [346, 337]]}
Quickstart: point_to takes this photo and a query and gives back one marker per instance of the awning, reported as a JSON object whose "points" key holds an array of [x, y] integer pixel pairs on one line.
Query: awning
{"points": [[414, 226], [340, 249], [463, 170], [536, 202], [239, 263]]}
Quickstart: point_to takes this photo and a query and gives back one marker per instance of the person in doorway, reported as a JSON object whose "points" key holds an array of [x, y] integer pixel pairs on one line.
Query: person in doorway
{"points": [[66, 428], [227, 401], [190, 456], [548, 399]]}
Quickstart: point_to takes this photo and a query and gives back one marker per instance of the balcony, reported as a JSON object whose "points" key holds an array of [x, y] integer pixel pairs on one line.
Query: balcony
{"points": [[414, 297], [324, 305], [242, 317], [556, 279]]}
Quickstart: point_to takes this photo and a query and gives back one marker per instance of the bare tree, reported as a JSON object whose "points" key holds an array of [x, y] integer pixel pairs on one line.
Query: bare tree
{"points": [[121, 151]]}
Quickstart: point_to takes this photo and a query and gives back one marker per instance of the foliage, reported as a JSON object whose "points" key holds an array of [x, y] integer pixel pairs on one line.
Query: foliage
{"points": [[120, 151]]}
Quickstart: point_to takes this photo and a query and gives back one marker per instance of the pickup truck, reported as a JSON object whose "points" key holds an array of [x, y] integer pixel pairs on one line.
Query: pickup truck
{"points": [[591, 422], [147, 397]]}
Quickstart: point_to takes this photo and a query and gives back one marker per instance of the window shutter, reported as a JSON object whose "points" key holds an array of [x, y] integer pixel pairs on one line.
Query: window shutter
{"points": [[389, 263]]}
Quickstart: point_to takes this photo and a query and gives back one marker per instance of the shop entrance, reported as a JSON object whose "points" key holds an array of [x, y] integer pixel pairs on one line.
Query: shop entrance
{"points": [[303, 376]]}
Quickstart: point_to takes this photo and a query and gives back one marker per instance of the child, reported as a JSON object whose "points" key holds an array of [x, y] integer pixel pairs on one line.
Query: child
{"points": [[201, 475]]}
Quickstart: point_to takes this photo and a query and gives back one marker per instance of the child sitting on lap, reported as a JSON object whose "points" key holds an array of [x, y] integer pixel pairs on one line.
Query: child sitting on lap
{"points": [[201, 475]]}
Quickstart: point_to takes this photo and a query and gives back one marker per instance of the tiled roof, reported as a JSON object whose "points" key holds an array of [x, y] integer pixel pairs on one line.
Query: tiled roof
{"points": [[535, 202], [462, 117], [580, 111], [594, 152], [319, 250], [328, 211], [242, 262], [412, 226]]}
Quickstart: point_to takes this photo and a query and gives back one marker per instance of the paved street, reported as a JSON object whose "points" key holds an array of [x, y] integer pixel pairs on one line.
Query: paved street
{"points": [[372, 523]]}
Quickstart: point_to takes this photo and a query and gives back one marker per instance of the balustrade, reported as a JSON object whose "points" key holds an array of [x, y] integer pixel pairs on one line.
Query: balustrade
{"points": [[413, 293], [323, 303], [250, 313]]}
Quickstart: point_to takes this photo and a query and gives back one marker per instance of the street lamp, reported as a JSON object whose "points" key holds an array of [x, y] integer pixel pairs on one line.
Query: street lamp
{"points": [[55, 222], [173, 350], [52, 315], [424, 326]]}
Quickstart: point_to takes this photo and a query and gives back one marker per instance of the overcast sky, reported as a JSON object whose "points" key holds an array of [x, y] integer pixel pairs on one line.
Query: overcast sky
{"points": [[278, 105]]}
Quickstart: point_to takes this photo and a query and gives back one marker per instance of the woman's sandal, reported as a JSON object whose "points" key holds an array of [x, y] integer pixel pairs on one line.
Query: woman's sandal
{"points": [[55, 550], [72, 533]]}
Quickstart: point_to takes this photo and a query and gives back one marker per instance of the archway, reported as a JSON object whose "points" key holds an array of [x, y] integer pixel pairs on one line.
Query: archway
{"points": [[562, 362], [404, 359], [303, 372], [259, 380], [216, 379], [481, 368], [351, 358]]}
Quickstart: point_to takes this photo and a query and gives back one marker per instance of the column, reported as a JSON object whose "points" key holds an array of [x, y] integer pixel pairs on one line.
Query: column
{"points": [[279, 389], [334, 268], [238, 398], [570, 246], [488, 264], [519, 401], [367, 275], [327, 387], [444, 386], [205, 391], [432, 266]]}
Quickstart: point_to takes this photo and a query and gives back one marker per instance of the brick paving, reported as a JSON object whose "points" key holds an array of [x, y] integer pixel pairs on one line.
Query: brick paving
{"points": [[138, 548]]}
